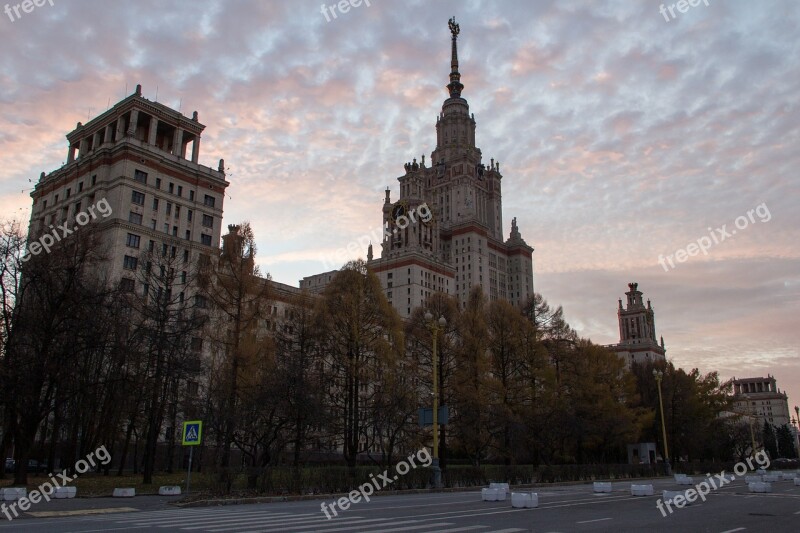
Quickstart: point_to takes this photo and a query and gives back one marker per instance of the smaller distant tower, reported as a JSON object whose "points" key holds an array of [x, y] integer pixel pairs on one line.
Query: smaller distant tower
{"points": [[637, 330]]}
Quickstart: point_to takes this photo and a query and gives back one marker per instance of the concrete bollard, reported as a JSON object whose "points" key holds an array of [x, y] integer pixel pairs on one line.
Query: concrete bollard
{"points": [[502, 490], [169, 490], [128, 492], [490, 495], [759, 487], [11, 494], [641, 490], [61, 493], [600, 486], [520, 499], [534, 501]]}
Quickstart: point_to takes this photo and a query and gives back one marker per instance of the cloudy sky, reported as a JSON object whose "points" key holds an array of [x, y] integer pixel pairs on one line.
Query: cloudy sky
{"points": [[622, 137]]}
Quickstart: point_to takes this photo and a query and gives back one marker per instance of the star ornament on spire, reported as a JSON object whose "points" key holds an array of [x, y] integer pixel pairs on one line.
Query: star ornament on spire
{"points": [[454, 29]]}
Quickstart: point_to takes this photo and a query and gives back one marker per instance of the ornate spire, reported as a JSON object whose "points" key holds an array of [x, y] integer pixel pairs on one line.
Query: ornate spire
{"points": [[455, 86]]}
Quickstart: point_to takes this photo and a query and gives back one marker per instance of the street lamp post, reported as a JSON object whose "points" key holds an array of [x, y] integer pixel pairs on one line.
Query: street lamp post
{"points": [[434, 325], [659, 375]]}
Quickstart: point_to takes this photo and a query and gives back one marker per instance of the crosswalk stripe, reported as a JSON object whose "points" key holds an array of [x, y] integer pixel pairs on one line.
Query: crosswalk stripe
{"points": [[190, 517], [423, 526], [172, 512], [351, 524], [467, 528], [349, 528], [248, 521]]}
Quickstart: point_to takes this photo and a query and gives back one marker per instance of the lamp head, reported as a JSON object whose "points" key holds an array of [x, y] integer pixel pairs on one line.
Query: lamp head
{"points": [[442, 321], [428, 316]]}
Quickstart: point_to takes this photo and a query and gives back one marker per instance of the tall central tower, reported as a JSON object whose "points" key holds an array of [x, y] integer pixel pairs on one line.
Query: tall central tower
{"points": [[462, 244]]}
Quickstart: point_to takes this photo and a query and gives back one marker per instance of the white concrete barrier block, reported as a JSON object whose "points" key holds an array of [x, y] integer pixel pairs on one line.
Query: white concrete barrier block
{"points": [[761, 471], [169, 490], [797, 482], [641, 490], [61, 493], [759, 487], [491, 495], [11, 494], [788, 476], [502, 489], [128, 492], [520, 500], [752, 479], [534, 501], [770, 478], [600, 486], [685, 480]]}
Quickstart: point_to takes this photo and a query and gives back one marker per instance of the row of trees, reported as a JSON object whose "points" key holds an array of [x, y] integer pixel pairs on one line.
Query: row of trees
{"points": [[288, 378]]}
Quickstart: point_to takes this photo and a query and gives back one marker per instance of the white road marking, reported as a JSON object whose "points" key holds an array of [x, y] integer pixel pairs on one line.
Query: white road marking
{"points": [[346, 528], [294, 527], [467, 528], [737, 529], [595, 520], [411, 528]]}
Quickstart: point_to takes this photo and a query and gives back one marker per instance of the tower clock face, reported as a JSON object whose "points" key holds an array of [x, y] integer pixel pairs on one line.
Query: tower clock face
{"points": [[399, 210]]}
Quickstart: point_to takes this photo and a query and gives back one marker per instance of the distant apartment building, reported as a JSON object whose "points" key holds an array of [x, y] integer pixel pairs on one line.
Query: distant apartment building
{"points": [[637, 330], [760, 397], [135, 157]]}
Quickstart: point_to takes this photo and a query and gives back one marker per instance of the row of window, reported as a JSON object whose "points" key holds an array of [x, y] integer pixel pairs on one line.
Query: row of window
{"points": [[68, 192], [136, 218], [141, 177], [138, 197]]}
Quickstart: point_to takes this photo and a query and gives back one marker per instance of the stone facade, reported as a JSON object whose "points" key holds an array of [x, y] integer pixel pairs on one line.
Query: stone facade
{"points": [[134, 157], [461, 244], [637, 330]]}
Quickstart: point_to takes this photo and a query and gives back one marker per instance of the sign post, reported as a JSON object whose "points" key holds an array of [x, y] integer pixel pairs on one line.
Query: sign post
{"points": [[192, 436]]}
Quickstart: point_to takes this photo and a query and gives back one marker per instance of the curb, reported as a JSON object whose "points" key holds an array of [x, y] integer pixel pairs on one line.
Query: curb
{"points": [[308, 497]]}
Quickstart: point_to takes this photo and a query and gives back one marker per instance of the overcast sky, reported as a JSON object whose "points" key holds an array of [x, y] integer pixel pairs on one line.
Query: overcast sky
{"points": [[621, 137]]}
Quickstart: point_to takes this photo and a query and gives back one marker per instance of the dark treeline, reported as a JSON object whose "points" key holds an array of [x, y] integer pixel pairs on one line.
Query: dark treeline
{"points": [[292, 379]]}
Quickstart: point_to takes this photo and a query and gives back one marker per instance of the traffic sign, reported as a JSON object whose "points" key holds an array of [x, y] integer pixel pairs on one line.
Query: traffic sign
{"points": [[192, 432], [425, 415]]}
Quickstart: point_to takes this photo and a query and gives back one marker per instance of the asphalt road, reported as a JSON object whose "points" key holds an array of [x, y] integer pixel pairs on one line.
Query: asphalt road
{"points": [[728, 509]]}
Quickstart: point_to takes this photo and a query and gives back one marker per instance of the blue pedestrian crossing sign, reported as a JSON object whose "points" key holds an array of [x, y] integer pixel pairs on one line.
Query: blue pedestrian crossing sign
{"points": [[192, 432]]}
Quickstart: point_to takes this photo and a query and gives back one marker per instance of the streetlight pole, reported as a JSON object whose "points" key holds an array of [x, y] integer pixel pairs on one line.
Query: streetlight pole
{"points": [[659, 375], [434, 325], [797, 411]]}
